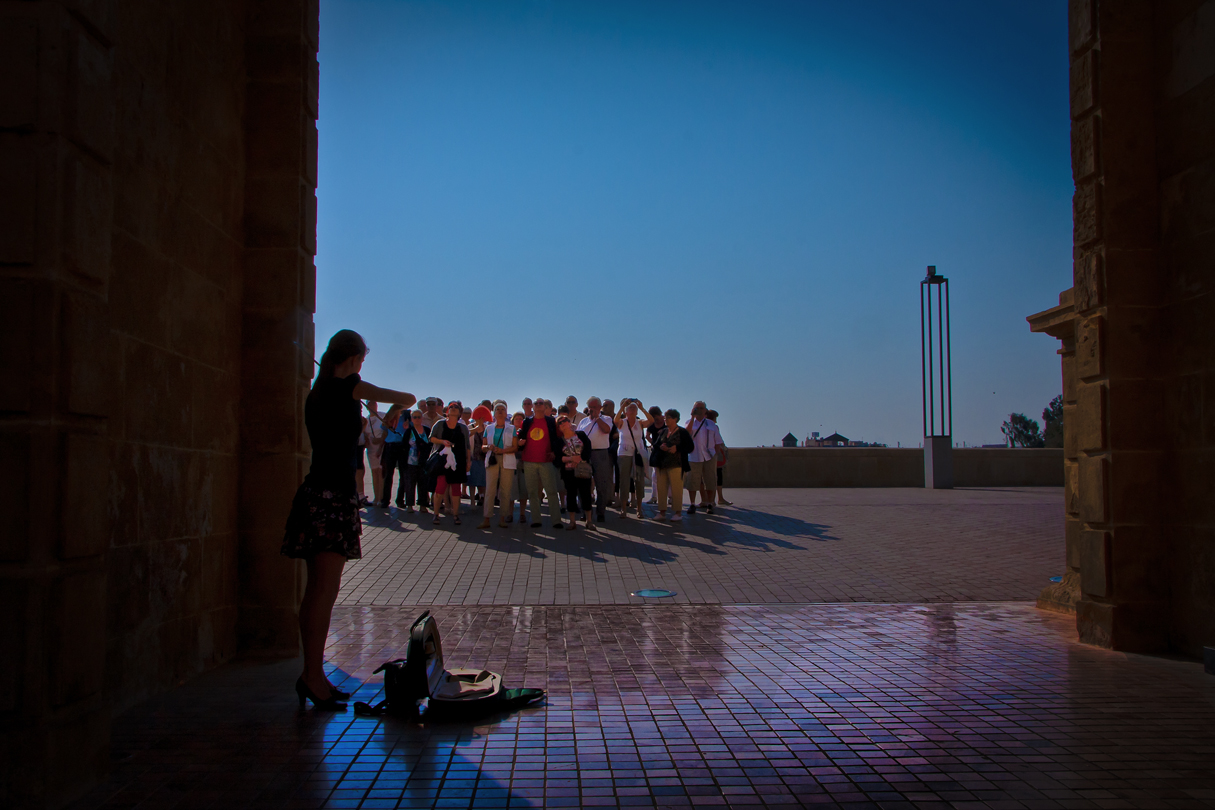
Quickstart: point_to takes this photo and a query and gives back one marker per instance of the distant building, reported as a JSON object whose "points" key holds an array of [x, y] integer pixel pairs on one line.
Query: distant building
{"points": [[789, 441], [836, 440]]}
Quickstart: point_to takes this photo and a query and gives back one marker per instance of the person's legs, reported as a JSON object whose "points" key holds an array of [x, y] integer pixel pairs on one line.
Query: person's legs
{"points": [[584, 494], [374, 460], [506, 483], [638, 487], [692, 482], [706, 477], [493, 475], [409, 483], [624, 466], [521, 486], [401, 462], [549, 476], [661, 490], [316, 610], [534, 483], [676, 474], [425, 502], [601, 468], [388, 463], [654, 484]]}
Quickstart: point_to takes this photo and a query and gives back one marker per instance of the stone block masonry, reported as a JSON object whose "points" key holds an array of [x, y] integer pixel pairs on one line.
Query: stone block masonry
{"points": [[157, 225], [1138, 354]]}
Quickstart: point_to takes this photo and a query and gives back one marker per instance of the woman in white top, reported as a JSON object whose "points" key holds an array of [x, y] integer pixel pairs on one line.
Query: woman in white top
{"points": [[498, 443], [631, 423]]}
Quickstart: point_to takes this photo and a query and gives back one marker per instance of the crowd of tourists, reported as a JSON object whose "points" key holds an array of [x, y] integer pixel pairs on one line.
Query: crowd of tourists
{"points": [[582, 461], [599, 456]]}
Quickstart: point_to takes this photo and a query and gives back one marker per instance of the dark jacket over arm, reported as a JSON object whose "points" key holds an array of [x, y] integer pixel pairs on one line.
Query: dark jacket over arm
{"points": [[684, 445]]}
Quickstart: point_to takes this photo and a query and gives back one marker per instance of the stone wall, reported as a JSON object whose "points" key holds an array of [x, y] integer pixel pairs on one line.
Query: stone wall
{"points": [[1139, 356], [174, 303], [157, 223], [888, 467]]}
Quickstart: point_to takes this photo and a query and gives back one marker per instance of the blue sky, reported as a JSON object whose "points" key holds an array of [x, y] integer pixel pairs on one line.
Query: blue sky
{"points": [[732, 202]]}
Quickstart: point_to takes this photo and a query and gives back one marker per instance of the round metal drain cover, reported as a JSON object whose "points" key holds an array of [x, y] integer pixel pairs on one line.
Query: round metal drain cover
{"points": [[653, 593]]}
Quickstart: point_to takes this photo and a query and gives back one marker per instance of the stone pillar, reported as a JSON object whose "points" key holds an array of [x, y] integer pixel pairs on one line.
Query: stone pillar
{"points": [[56, 208], [279, 299], [1118, 366]]}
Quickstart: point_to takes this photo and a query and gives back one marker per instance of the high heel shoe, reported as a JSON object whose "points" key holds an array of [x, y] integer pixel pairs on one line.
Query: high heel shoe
{"points": [[329, 704]]}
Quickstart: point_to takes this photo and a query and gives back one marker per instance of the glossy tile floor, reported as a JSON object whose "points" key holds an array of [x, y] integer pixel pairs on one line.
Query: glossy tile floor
{"points": [[853, 705]]}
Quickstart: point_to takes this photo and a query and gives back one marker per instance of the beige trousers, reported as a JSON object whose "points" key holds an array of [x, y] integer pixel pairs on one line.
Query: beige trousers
{"points": [[498, 482], [670, 482]]}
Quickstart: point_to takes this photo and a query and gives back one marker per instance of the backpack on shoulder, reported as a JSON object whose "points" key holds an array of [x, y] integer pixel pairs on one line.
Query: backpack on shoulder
{"points": [[419, 685]]}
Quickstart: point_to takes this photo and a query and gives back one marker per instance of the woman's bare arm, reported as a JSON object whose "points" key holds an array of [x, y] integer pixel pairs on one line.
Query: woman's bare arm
{"points": [[365, 390]]}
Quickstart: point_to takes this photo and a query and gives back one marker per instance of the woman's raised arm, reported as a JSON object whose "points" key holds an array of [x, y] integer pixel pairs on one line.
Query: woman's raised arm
{"points": [[365, 390]]}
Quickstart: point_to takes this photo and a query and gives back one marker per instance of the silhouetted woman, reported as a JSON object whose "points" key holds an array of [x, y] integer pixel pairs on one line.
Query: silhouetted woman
{"points": [[324, 526]]}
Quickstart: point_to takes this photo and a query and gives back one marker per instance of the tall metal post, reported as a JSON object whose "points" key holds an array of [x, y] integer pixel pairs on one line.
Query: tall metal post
{"points": [[936, 378]]}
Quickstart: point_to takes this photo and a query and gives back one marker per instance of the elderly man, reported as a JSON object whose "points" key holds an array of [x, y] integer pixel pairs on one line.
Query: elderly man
{"points": [[598, 428], [431, 414], [703, 475], [540, 445]]}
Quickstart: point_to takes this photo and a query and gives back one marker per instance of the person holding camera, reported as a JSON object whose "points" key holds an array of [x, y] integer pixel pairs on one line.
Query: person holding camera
{"points": [[598, 427], [631, 426]]}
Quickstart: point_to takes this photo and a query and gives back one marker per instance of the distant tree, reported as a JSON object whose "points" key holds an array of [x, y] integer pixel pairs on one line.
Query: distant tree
{"points": [[1021, 431], [1052, 423]]}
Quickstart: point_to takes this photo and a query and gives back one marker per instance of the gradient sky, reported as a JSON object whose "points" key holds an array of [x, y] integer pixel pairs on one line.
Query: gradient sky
{"points": [[732, 202]]}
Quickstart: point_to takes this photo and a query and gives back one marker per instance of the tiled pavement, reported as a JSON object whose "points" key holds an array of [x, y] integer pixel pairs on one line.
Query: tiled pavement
{"points": [[773, 545], [892, 706], [959, 701]]}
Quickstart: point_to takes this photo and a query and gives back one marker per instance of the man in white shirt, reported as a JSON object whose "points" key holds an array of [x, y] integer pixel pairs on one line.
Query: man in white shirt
{"points": [[431, 414], [703, 475], [598, 428]]}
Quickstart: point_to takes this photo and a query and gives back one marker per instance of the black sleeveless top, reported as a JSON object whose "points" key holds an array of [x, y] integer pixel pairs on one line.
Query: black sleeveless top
{"points": [[334, 421]]}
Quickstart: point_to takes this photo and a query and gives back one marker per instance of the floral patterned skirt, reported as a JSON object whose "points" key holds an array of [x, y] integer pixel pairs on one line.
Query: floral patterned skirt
{"points": [[322, 520]]}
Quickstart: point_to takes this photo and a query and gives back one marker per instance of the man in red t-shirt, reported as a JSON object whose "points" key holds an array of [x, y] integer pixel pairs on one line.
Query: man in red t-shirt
{"points": [[539, 446]]}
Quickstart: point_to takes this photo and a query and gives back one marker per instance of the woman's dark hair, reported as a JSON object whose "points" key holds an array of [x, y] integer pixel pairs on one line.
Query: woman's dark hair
{"points": [[342, 346], [672, 414], [712, 415], [655, 410]]}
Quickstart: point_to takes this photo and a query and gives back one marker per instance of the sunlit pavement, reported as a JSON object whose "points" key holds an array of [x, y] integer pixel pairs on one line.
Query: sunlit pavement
{"points": [[772, 545], [941, 704]]}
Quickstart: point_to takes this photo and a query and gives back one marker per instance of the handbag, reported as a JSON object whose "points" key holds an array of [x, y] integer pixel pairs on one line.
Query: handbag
{"points": [[583, 470]]}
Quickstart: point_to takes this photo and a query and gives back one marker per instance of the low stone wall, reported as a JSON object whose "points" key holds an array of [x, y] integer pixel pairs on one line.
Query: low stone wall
{"points": [[889, 467]]}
